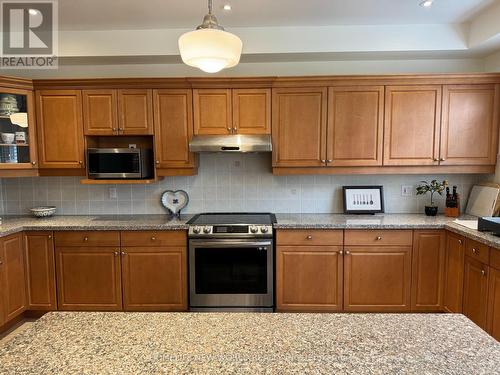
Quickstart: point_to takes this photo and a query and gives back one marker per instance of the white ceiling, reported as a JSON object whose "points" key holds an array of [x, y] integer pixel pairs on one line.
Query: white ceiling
{"points": [[167, 14]]}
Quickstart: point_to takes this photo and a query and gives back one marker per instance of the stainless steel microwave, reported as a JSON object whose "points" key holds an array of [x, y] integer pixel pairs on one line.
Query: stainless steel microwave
{"points": [[119, 163]]}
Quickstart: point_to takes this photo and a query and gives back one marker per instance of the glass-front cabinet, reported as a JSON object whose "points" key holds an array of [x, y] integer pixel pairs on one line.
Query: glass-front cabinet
{"points": [[17, 133]]}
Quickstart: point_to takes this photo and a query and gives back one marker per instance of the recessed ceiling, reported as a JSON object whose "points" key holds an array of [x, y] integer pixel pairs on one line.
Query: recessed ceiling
{"points": [[167, 14]]}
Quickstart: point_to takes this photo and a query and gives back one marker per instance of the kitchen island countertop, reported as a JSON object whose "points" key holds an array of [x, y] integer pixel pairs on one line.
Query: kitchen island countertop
{"points": [[215, 343]]}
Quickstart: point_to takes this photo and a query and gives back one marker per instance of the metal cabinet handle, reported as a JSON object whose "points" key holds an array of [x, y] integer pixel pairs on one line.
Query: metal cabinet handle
{"points": [[115, 129], [341, 252], [116, 253], [347, 252], [378, 238], [124, 253], [80, 162], [323, 160], [436, 159], [1, 262], [329, 160], [50, 236], [483, 273], [228, 129], [153, 238], [474, 251], [157, 162], [33, 162], [460, 242], [309, 237], [442, 159]]}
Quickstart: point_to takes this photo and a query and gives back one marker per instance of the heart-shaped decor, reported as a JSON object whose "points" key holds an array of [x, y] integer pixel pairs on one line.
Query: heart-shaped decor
{"points": [[174, 201]]}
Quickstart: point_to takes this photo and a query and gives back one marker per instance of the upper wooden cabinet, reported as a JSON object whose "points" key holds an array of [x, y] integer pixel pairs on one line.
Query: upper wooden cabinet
{"points": [[173, 129], [469, 133], [13, 276], [412, 125], [135, 112], [60, 129], [429, 247], [232, 111], [118, 112], [212, 111], [299, 127], [252, 111], [100, 115], [355, 126]]}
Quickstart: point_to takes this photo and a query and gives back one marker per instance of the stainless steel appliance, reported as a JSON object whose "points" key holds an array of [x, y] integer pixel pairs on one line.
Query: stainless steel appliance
{"points": [[119, 163], [231, 143], [231, 262]]}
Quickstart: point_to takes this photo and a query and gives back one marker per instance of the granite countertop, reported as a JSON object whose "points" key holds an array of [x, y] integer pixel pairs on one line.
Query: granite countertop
{"points": [[215, 343], [12, 225], [103, 222]]}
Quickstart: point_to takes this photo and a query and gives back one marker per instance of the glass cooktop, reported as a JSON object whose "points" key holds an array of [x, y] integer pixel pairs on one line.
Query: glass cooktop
{"points": [[233, 218]]}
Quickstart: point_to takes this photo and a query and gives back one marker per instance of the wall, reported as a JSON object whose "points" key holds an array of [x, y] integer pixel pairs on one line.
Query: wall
{"points": [[226, 182]]}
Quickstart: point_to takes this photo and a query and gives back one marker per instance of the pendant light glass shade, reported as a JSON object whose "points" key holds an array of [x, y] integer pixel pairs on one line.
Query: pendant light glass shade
{"points": [[210, 50], [209, 47]]}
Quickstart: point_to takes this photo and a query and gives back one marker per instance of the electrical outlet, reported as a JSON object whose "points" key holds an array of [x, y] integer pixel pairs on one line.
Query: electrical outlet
{"points": [[406, 190], [112, 193]]}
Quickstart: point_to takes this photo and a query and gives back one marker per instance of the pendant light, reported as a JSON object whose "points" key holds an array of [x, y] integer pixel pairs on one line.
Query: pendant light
{"points": [[209, 47]]}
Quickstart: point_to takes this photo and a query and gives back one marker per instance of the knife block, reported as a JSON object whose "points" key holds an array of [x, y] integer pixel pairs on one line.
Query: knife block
{"points": [[453, 211]]}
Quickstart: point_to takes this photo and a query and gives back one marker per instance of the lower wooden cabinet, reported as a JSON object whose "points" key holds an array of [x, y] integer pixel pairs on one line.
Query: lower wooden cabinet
{"points": [[89, 278], [40, 271], [154, 278], [309, 278], [377, 278], [493, 316], [475, 301], [428, 261], [454, 273], [13, 284]]}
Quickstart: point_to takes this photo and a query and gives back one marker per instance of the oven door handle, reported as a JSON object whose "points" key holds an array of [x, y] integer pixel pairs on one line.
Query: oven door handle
{"points": [[229, 243]]}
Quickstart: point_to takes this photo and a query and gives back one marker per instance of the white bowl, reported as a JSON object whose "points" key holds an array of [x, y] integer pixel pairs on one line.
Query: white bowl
{"points": [[44, 211], [8, 137]]}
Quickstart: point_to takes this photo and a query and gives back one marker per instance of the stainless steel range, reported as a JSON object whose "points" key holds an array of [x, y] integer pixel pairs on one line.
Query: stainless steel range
{"points": [[231, 262]]}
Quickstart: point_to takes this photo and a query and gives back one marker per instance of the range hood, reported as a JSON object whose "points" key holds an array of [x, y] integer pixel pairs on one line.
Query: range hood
{"points": [[231, 143]]}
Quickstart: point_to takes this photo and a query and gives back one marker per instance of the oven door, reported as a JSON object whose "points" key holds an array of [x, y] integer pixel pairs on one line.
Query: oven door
{"points": [[231, 273]]}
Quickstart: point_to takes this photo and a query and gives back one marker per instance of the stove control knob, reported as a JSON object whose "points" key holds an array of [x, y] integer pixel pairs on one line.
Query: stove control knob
{"points": [[254, 229], [206, 230], [264, 229], [196, 230]]}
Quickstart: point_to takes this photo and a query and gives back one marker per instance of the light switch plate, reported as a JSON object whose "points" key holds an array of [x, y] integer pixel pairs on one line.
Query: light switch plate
{"points": [[406, 190]]}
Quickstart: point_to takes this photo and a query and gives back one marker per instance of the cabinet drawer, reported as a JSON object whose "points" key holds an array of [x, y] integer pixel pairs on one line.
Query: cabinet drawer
{"points": [[378, 237], [87, 238], [495, 258], [477, 251], [154, 238], [309, 237]]}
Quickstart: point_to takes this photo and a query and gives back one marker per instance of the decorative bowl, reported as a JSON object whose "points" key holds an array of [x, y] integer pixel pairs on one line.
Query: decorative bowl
{"points": [[43, 211], [8, 137]]}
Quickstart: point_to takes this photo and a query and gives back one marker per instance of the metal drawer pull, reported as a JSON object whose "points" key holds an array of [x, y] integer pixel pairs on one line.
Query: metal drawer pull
{"points": [[153, 238], [474, 251], [379, 238], [85, 238], [309, 237]]}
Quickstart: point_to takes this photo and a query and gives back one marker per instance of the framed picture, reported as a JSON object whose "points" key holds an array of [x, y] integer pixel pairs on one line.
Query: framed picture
{"points": [[363, 199]]}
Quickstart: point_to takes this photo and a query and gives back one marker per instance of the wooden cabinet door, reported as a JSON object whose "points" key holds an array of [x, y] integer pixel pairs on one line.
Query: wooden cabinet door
{"points": [[60, 129], [154, 278], [309, 278], [212, 111], [429, 249], [40, 271], [299, 127], [100, 116], [475, 291], [14, 281], [355, 126], [454, 273], [493, 315], [377, 278], [2, 290], [135, 112], [469, 133], [88, 278], [412, 125], [173, 128], [252, 111]]}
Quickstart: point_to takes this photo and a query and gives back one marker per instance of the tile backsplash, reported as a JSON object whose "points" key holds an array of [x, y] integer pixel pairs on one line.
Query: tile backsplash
{"points": [[226, 182]]}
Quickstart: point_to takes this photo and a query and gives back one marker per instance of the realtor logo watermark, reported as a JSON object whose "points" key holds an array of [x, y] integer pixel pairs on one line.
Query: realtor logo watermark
{"points": [[29, 34]]}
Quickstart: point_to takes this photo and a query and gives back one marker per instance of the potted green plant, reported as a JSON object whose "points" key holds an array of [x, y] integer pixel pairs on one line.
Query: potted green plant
{"points": [[433, 187]]}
